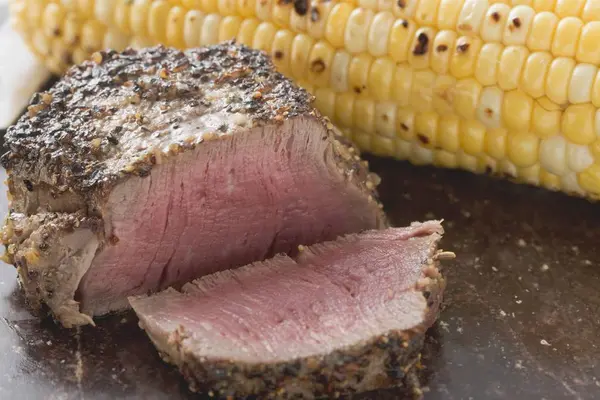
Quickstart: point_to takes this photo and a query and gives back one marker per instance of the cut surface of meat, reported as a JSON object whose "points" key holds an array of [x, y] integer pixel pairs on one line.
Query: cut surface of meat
{"points": [[355, 308], [172, 165]]}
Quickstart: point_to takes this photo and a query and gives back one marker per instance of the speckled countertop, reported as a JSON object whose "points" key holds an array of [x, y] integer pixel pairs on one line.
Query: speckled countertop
{"points": [[521, 317]]}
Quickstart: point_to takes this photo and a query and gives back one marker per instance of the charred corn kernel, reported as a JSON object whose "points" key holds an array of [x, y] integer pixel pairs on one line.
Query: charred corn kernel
{"points": [[385, 118], [357, 30], [580, 87], [263, 36], [401, 37], [420, 48], [175, 24], [579, 157], [511, 66], [522, 149], [464, 56], [92, 36], [486, 68], [465, 97], [420, 155], [339, 71], [335, 30], [379, 33], [210, 30], [518, 25], [402, 85], [545, 122], [517, 110], [229, 28], [157, 23], [471, 16], [590, 180], [301, 47], [318, 15], [263, 9], [559, 77], [421, 97], [542, 32], [569, 8], [344, 108], [358, 73], [494, 143], [487, 164], [282, 50], [448, 137], [122, 15], [442, 89], [426, 127], [426, 12], [448, 13], [549, 180], [380, 78], [533, 79], [192, 26], [544, 5], [364, 114], [319, 64], [298, 22], [578, 123], [441, 51], [566, 37], [489, 109], [587, 48], [444, 159], [405, 122], [494, 23], [405, 8], [591, 11], [52, 19], [139, 17], [325, 101], [472, 136], [280, 14]]}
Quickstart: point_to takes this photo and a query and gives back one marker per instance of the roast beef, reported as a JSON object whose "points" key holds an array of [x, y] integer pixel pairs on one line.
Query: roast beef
{"points": [[146, 169], [340, 317]]}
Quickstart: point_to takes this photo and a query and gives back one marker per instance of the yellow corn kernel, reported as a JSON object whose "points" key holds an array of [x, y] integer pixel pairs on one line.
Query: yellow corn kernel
{"points": [[426, 127], [405, 122], [385, 4], [448, 137], [494, 144], [379, 33], [596, 91], [597, 123], [449, 10], [543, 5], [530, 175], [518, 25], [86, 8], [246, 8], [281, 13], [364, 114], [113, 39], [380, 78], [210, 6], [559, 77], [139, 17], [426, 13], [582, 80], [52, 19], [569, 8], [192, 26], [590, 179], [192, 4], [362, 140], [442, 89], [319, 13], [263, 37], [517, 110], [298, 22], [175, 24], [465, 97], [595, 149], [591, 11], [401, 37], [344, 108], [492, 30], [471, 16], [533, 79], [405, 8], [263, 9], [441, 51], [579, 157], [229, 28], [80, 55], [382, 146], [282, 50], [358, 73], [138, 42], [357, 30], [325, 101], [487, 164], [339, 71], [566, 37], [489, 109], [578, 123], [545, 122], [420, 48], [319, 64], [210, 30], [522, 149], [570, 184], [587, 48], [486, 69], [467, 162], [72, 30], [549, 180], [122, 15], [247, 31], [464, 57], [301, 47], [310, 88], [367, 4], [542, 32], [420, 155], [34, 11], [336, 24], [472, 136], [444, 159], [104, 11], [385, 118], [422, 90], [402, 85], [92, 36], [511, 65], [157, 22]]}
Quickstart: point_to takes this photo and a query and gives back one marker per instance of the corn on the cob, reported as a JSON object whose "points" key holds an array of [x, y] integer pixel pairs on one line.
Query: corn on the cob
{"points": [[509, 87]]}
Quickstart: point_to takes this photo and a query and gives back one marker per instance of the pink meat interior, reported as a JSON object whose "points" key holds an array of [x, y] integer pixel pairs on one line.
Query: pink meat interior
{"points": [[225, 204], [332, 295]]}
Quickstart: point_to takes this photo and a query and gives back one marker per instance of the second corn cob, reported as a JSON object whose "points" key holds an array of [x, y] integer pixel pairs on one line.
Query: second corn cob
{"points": [[506, 87]]}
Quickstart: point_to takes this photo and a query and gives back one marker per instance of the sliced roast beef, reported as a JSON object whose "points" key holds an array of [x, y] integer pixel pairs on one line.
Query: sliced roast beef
{"points": [[143, 170], [340, 317]]}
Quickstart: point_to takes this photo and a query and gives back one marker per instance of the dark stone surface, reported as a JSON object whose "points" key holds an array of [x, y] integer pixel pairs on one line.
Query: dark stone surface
{"points": [[521, 317]]}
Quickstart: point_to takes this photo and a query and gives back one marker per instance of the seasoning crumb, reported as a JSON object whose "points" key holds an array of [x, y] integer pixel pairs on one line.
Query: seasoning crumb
{"points": [[518, 301], [49, 343], [544, 342], [494, 269], [521, 243], [545, 267], [503, 313]]}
